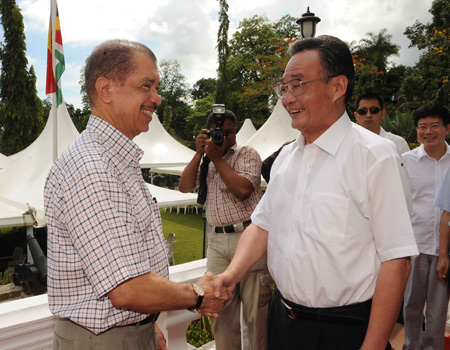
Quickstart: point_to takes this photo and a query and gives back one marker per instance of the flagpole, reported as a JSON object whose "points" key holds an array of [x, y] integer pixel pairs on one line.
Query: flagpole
{"points": [[54, 109]]}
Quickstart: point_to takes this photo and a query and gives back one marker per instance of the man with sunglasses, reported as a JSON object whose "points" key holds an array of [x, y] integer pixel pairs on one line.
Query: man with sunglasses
{"points": [[369, 114], [426, 166], [333, 219]]}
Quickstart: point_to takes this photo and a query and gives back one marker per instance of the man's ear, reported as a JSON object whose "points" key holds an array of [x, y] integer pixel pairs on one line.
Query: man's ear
{"points": [[103, 87], [339, 84], [383, 113]]}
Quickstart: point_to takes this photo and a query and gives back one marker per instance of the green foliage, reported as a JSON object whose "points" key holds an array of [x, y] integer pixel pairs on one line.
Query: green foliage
{"points": [[174, 92], [428, 81], [257, 60], [167, 118], [21, 111], [370, 57], [200, 332], [7, 276], [401, 123], [222, 94], [377, 48], [203, 88], [197, 119]]}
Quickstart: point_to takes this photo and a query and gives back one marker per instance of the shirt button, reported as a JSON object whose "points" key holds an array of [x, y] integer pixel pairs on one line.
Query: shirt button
{"points": [[299, 196], [306, 166], [292, 227]]}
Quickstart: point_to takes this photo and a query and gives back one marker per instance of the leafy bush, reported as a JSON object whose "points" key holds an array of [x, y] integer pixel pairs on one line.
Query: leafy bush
{"points": [[7, 276], [200, 332]]}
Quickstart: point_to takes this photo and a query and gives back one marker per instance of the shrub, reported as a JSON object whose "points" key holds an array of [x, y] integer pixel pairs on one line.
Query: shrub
{"points": [[199, 332]]}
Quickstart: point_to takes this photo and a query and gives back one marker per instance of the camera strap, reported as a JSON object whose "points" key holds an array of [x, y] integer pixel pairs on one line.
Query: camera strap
{"points": [[202, 190]]}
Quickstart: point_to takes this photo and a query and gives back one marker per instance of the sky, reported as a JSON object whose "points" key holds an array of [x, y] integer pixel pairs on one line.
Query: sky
{"points": [[186, 30]]}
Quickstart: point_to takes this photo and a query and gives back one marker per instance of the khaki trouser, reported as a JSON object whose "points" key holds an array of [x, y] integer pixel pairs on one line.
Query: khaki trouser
{"points": [[253, 291], [70, 336]]}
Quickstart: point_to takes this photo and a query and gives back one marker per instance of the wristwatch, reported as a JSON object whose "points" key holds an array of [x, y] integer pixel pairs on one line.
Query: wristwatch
{"points": [[200, 295]]}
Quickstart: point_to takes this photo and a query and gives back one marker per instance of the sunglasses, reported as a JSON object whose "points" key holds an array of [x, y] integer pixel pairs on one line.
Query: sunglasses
{"points": [[364, 110]]}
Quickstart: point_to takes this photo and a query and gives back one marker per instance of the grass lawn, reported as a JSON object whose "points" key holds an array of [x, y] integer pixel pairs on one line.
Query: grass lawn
{"points": [[188, 231]]}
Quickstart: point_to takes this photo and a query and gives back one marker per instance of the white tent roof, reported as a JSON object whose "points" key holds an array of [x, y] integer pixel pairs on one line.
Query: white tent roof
{"points": [[23, 180], [171, 198], [13, 214], [245, 132], [4, 161], [273, 133], [161, 149]]}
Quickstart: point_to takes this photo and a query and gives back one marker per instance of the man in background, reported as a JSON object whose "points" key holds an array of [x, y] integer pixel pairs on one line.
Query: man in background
{"points": [[233, 191], [107, 261], [369, 114], [426, 166]]}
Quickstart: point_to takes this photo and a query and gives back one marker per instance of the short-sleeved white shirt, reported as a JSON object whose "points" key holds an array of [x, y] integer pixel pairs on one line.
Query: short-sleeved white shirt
{"points": [[426, 175], [335, 210]]}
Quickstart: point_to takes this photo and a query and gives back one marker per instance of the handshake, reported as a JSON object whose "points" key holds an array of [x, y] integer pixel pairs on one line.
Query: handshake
{"points": [[217, 291]]}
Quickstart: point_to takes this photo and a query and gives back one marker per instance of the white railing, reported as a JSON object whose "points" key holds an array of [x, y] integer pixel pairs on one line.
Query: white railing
{"points": [[27, 324]]}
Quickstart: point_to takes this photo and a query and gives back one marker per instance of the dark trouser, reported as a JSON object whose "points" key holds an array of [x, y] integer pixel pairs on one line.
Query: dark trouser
{"points": [[70, 336], [342, 328]]}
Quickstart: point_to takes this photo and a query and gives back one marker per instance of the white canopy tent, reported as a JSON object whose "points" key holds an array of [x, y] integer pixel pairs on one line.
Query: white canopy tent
{"points": [[13, 214], [171, 198], [4, 161], [273, 133], [23, 180], [245, 132], [267, 139], [160, 148]]}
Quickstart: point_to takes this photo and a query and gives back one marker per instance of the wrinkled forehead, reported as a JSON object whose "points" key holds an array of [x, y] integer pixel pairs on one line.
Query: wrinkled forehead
{"points": [[302, 65]]}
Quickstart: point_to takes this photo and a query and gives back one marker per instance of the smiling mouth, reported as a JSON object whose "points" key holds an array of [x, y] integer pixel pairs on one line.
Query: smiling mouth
{"points": [[147, 112], [296, 111]]}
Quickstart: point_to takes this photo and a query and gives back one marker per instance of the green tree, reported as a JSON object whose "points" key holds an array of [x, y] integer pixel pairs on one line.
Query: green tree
{"points": [[372, 68], [203, 88], [174, 91], [197, 118], [377, 48], [258, 56], [222, 95], [21, 111], [428, 80]]}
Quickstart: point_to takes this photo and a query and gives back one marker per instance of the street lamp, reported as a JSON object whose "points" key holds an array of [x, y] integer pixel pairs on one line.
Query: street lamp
{"points": [[308, 23]]}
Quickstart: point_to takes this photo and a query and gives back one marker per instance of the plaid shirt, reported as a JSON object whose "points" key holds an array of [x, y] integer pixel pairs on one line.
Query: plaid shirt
{"points": [[222, 206], [103, 227]]}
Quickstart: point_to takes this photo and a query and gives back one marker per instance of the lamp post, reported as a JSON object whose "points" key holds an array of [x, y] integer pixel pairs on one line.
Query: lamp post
{"points": [[308, 23]]}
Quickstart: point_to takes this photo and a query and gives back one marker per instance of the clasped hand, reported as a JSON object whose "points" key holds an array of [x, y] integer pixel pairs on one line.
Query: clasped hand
{"points": [[212, 302]]}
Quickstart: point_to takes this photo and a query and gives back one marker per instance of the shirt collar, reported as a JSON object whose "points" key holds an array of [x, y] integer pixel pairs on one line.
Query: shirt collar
{"points": [[383, 132], [117, 142], [422, 153], [231, 151], [332, 138]]}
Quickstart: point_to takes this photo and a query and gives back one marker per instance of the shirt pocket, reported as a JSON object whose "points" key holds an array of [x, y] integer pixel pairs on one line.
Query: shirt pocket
{"points": [[326, 218]]}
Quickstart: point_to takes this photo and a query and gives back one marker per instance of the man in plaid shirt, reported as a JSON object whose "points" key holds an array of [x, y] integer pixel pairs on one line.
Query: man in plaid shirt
{"points": [[107, 263], [233, 191]]}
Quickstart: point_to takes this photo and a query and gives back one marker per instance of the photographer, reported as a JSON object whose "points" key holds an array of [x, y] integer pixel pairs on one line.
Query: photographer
{"points": [[232, 193]]}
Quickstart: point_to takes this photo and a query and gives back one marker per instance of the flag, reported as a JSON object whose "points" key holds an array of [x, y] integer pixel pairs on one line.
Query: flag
{"points": [[55, 55]]}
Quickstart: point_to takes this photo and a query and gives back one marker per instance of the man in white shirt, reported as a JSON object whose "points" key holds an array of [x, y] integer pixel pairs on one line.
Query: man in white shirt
{"points": [[426, 167], [334, 220], [369, 114]]}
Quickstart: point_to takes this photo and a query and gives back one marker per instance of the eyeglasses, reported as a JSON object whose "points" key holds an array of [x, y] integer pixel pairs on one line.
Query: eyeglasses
{"points": [[294, 87], [432, 127], [364, 110]]}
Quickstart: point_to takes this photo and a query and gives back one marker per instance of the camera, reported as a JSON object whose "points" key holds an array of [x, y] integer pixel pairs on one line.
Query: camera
{"points": [[217, 134]]}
